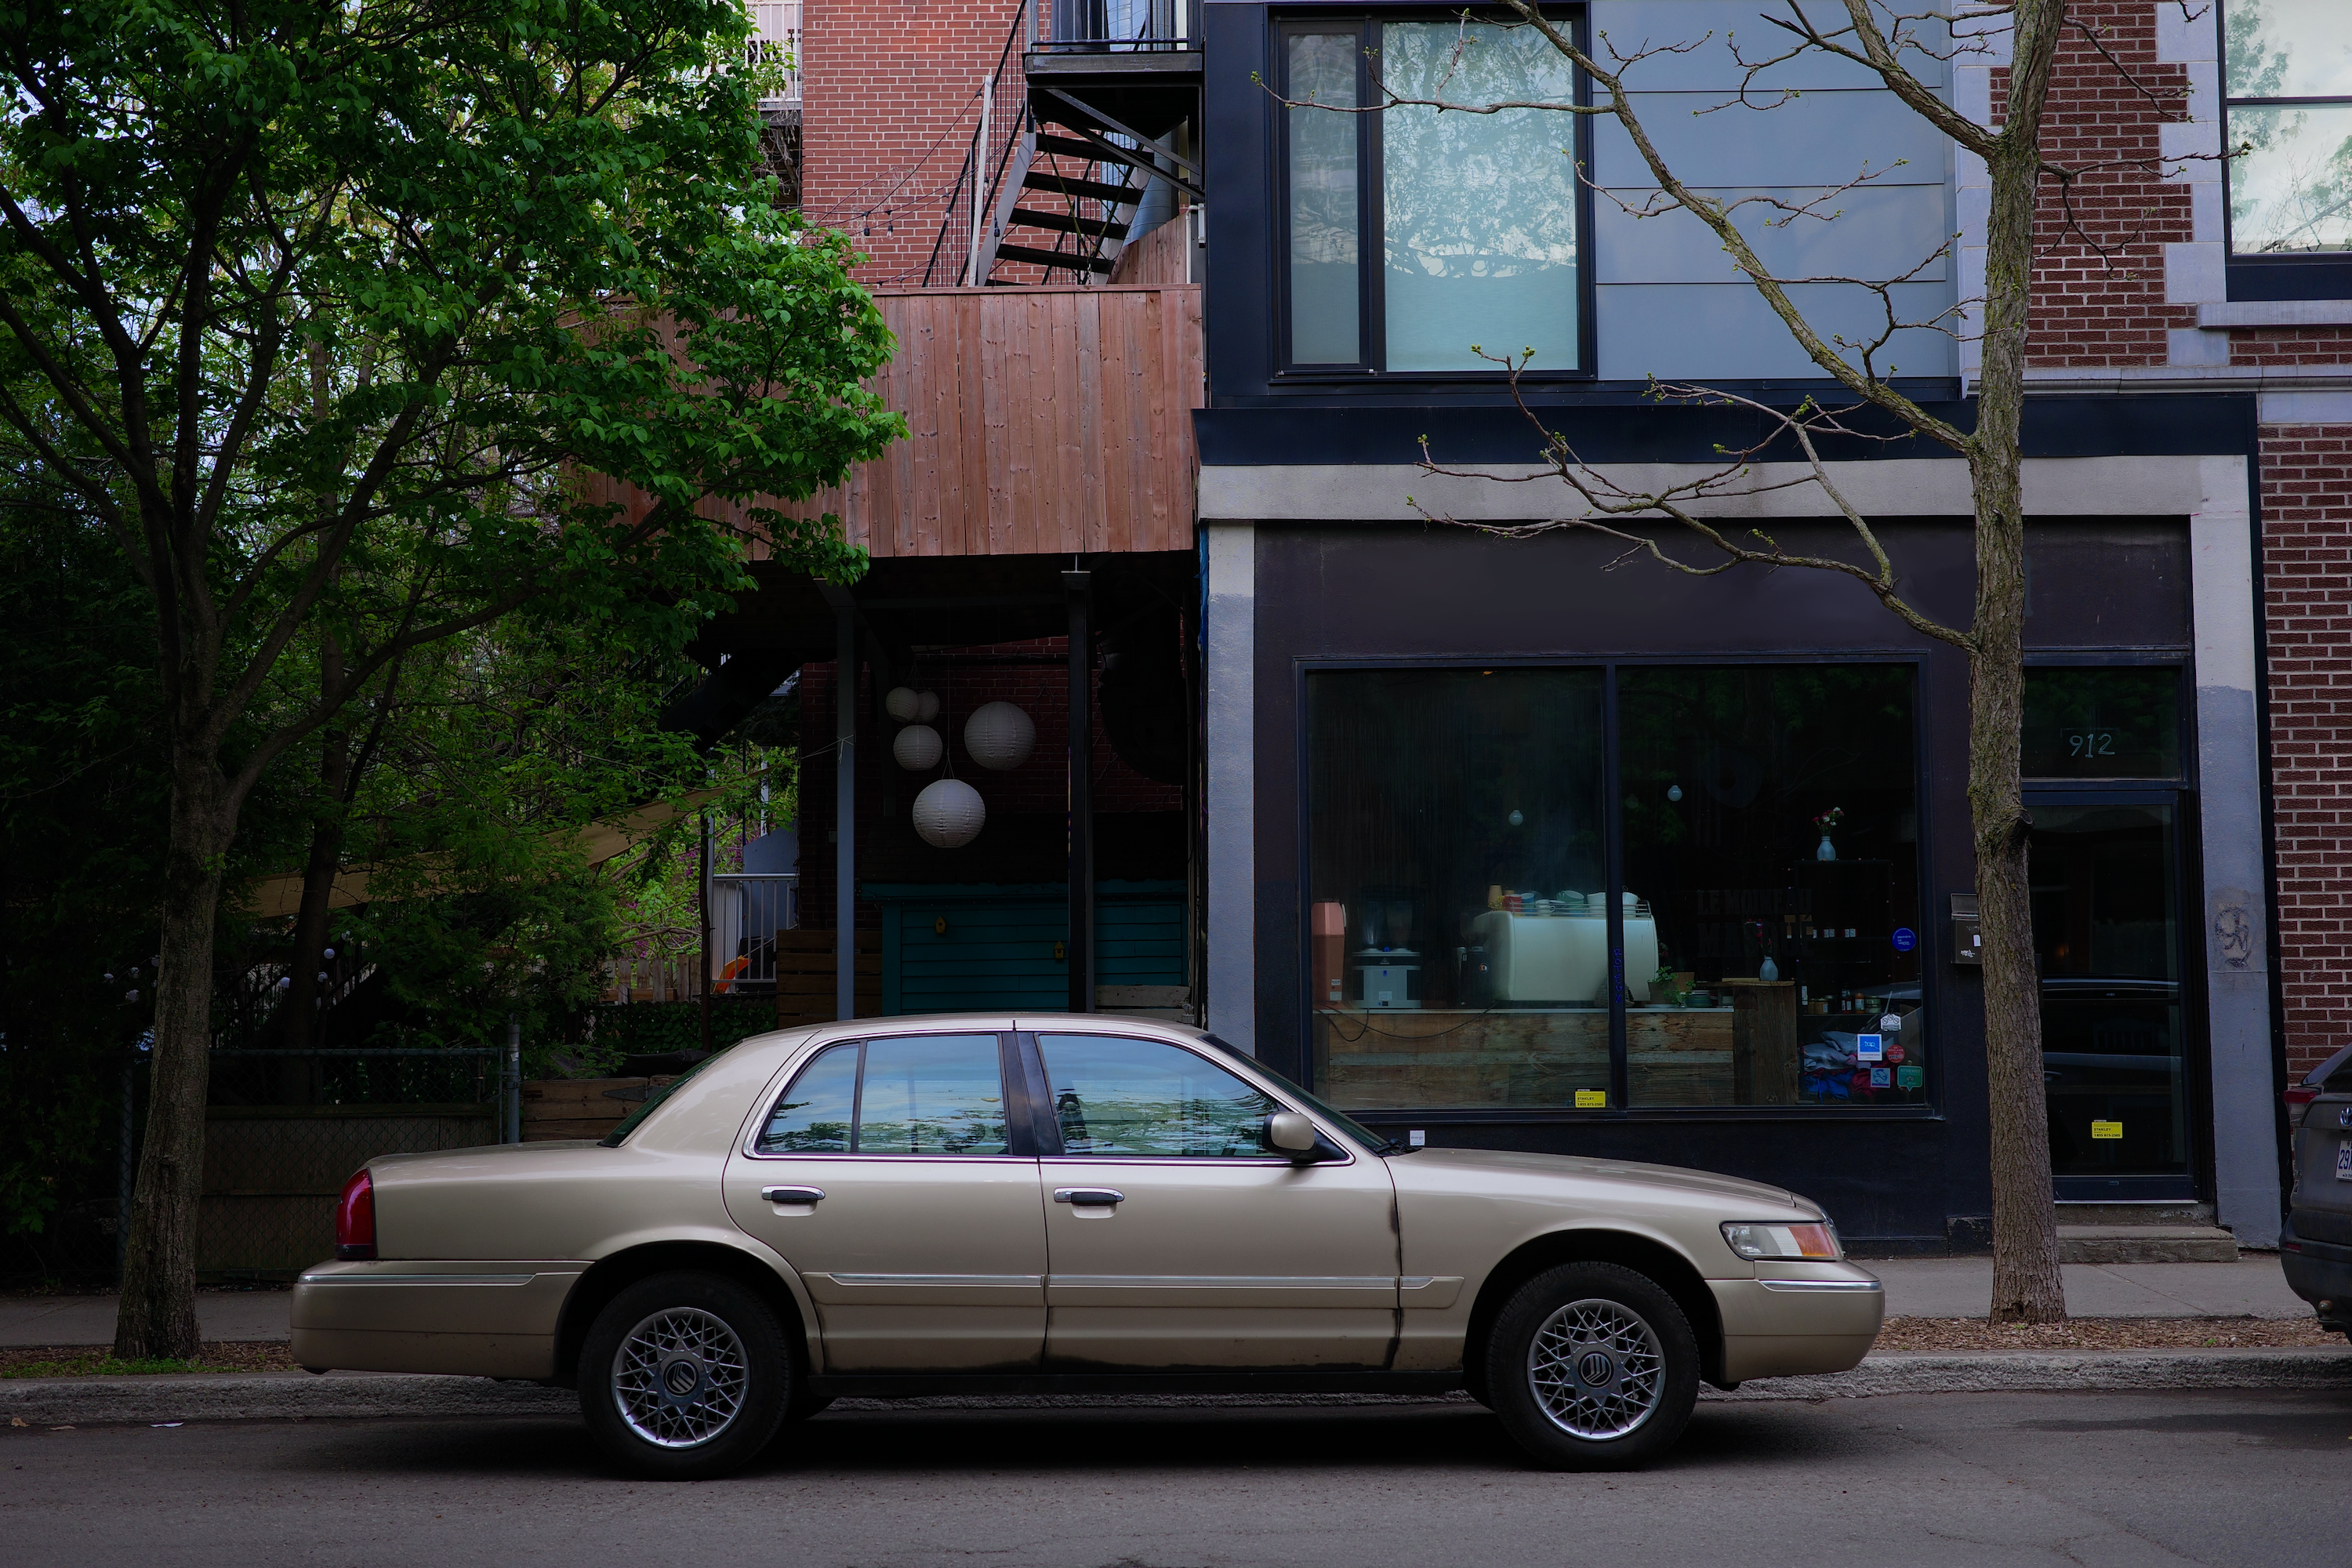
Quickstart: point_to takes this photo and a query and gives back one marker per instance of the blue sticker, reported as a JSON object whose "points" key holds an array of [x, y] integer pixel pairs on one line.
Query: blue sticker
{"points": [[1881, 1078], [1905, 939], [1870, 1047]]}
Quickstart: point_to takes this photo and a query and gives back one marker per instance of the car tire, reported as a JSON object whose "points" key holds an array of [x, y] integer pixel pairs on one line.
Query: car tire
{"points": [[685, 1376], [1592, 1366]]}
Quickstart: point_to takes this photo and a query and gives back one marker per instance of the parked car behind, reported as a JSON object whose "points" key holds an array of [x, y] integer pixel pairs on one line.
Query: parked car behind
{"points": [[916, 1206], [2315, 1248]]}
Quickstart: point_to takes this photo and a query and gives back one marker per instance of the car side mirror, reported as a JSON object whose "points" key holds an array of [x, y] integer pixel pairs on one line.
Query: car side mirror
{"points": [[1287, 1133]]}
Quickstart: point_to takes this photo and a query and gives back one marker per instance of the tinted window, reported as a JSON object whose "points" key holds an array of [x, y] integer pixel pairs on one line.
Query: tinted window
{"points": [[815, 1113], [923, 1094], [1114, 1095], [935, 1094]]}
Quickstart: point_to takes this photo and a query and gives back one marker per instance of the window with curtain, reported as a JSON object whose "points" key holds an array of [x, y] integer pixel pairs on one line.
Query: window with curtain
{"points": [[2287, 75], [1416, 236]]}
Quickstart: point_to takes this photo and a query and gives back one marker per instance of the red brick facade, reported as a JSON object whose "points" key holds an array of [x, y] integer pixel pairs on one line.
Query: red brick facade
{"points": [[889, 98], [2307, 557], [2099, 297]]}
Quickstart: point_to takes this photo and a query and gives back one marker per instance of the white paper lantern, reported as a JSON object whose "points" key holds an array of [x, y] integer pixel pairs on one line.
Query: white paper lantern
{"points": [[949, 813], [999, 736], [902, 704], [919, 748], [927, 707]]}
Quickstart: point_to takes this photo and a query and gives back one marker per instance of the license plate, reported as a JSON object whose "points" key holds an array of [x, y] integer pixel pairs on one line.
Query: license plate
{"points": [[2344, 1161]]}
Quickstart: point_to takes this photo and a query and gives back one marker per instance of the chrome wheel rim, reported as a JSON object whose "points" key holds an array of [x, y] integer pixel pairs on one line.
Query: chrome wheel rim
{"points": [[679, 1378], [1596, 1369]]}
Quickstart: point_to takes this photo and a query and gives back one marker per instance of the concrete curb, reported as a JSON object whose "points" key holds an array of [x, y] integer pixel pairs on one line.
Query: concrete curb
{"points": [[281, 1397]]}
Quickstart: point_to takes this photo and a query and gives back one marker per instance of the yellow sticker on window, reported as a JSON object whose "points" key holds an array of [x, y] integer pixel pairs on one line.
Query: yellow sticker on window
{"points": [[2106, 1129], [1592, 1099]]}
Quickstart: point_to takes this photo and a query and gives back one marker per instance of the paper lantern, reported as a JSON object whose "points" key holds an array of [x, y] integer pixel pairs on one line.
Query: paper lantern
{"points": [[902, 704], [919, 748], [927, 707], [999, 736], [949, 813]]}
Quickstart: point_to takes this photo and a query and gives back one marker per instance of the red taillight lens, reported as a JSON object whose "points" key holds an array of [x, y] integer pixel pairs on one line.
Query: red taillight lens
{"points": [[355, 1221], [2298, 1097]]}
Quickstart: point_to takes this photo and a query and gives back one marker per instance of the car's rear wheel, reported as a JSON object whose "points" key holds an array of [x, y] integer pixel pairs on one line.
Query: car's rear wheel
{"points": [[1592, 1366], [685, 1376]]}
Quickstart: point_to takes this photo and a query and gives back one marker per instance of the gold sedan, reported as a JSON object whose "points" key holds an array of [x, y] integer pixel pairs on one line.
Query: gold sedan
{"points": [[999, 1205]]}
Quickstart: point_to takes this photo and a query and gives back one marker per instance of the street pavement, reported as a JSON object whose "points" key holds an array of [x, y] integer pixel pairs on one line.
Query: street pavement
{"points": [[2144, 1479], [1916, 1288]]}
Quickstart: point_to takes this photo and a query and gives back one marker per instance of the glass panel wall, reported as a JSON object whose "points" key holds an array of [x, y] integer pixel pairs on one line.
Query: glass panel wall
{"points": [[2288, 74], [1459, 888], [1771, 826], [1324, 215], [1768, 908]]}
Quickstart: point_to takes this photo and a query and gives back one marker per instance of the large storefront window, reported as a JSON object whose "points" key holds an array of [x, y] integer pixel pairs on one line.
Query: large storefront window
{"points": [[1765, 915], [1771, 825], [1460, 949]]}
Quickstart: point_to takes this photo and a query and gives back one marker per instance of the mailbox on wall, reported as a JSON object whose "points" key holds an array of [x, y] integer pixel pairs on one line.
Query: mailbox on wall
{"points": [[1967, 931]]}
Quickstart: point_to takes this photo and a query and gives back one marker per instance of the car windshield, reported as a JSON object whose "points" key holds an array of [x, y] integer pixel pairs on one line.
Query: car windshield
{"points": [[620, 1134], [1379, 1144]]}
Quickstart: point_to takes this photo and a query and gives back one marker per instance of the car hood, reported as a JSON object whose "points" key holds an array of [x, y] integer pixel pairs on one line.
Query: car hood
{"points": [[1523, 1174]]}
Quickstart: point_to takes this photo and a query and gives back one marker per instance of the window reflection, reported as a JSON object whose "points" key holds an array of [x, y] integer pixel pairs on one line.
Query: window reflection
{"points": [[1324, 214], [2102, 723], [2290, 172], [1114, 1097]]}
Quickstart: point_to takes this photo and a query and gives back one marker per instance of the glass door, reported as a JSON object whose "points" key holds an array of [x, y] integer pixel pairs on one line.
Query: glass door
{"points": [[2107, 881]]}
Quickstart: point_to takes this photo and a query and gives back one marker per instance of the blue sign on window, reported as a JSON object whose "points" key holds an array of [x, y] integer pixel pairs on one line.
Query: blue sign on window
{"points": [[1905, 939]]}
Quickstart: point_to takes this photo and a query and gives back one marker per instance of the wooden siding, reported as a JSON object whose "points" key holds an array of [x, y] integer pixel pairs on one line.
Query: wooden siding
{"points": [[1040, 421]]}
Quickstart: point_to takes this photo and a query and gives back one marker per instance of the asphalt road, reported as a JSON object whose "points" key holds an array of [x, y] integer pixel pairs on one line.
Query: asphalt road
{"points": [[2080, 1479]]}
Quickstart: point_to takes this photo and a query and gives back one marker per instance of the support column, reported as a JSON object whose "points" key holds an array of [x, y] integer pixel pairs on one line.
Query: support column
{"points": [[1079, 586], [1229, 566], [845, 811]]}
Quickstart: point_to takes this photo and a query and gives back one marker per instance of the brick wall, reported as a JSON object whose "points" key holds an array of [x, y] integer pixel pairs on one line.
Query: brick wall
{"points": [[888, 103], [2099, 272], [2308, 561], [2302, 345]]}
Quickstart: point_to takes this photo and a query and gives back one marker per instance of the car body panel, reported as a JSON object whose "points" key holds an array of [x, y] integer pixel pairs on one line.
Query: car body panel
{"points": [[1378, 1264], [1221, 1264], [2315, 1248]]}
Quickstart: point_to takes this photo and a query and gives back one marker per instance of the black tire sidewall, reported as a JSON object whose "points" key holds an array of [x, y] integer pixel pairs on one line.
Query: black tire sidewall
{"points": [[766, 1358], [1511, 1398]]}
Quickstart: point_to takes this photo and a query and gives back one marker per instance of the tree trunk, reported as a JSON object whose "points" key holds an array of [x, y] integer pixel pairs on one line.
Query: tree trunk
{"points": [[2026, 1284], [157, 1317]]}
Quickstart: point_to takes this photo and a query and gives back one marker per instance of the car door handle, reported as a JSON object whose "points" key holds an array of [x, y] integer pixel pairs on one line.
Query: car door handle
{"points": [[793, 1194], [1088, 1197]]}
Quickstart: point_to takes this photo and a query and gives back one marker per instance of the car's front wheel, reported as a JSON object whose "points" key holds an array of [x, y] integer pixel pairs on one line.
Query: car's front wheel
{"points": [[685, 1376], [1592, 1366]]}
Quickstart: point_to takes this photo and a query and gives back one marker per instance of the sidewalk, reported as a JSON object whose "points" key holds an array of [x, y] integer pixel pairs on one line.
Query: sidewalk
{"points": [[1962, 1288], [1916, 1288], [89, 1320]]}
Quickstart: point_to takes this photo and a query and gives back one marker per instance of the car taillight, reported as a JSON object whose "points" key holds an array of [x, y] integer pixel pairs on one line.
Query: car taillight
{"points": [[355, 1221], [2298, 1097]]}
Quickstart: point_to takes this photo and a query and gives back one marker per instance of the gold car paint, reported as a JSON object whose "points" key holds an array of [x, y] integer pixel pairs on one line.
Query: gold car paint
{"points": [[1458, 1213], [498, 1321]]}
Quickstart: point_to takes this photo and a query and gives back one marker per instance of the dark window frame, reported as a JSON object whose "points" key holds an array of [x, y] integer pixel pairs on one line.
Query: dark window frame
{"points": [[2258, 277], [1934, 932], [1369, 369]]}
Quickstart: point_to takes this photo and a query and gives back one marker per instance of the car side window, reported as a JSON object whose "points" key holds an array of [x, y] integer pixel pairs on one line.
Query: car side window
{"points": [[914, 1094], [1146, 1099], [932, 1094], [818, 1113]]}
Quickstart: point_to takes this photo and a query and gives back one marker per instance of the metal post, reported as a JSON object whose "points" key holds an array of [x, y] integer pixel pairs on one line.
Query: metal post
{"points": [[513, 1088], [845, 815], [980, 180], [1079, 586]]}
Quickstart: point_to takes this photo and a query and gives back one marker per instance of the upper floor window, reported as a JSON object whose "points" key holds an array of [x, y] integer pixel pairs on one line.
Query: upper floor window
{"points": [[1414, 234], [2287, 70]]}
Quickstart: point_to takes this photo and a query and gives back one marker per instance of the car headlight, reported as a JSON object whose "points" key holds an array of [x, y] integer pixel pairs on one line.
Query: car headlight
{"points": [[1818, 1241]]}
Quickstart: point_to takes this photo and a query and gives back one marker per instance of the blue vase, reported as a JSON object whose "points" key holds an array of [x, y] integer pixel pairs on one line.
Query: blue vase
{"points": [[1828, 851]]}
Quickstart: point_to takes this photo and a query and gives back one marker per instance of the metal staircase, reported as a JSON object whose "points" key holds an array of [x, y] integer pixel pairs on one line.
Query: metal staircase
{"points": [[1062, 192]]}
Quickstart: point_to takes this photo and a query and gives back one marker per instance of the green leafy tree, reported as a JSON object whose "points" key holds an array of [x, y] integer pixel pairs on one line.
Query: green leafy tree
{"points": [[337, 304]]}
